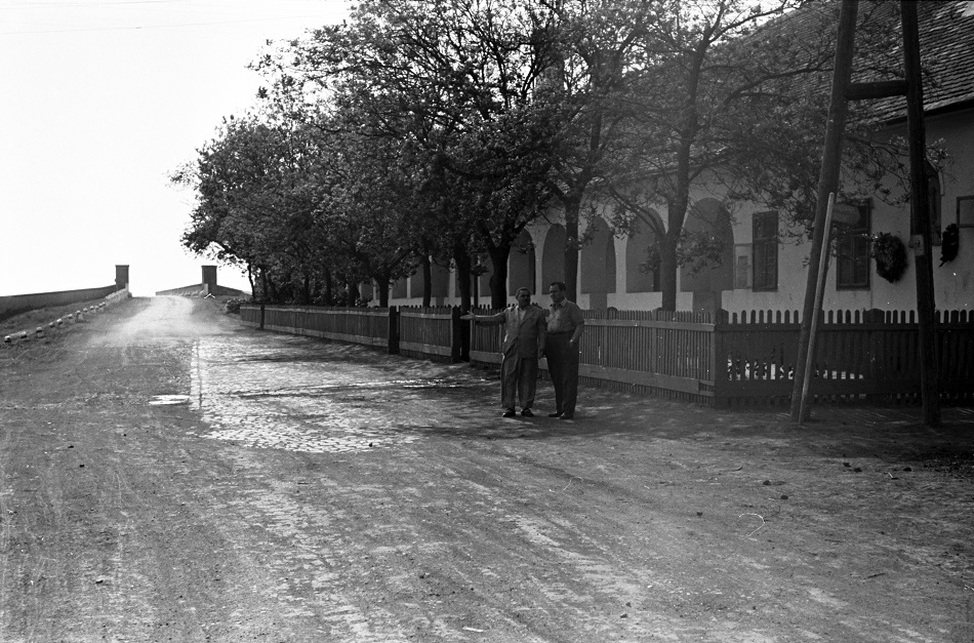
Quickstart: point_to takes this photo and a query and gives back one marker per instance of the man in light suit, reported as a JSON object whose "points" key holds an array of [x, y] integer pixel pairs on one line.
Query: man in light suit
{"points": [[525, 329]]}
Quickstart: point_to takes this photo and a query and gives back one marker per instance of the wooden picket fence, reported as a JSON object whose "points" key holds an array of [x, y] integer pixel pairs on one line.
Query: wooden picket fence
{"points": [[433, 333], [369, 326], [858, 355], [723, 360]]}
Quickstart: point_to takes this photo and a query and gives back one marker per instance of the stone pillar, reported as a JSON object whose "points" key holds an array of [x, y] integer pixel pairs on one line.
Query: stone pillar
{"points": [[121, 277]]}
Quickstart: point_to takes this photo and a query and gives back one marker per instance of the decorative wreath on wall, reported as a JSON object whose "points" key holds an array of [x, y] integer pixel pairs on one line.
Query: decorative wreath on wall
{"points": [[890, 255], [950, 244]]}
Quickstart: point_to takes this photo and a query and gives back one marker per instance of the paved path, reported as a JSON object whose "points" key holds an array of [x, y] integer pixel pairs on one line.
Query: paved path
{"points": [[168, 475]]}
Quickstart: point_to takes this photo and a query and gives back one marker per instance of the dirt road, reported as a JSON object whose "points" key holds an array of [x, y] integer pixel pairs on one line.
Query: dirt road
{"points": [[168, 475]]}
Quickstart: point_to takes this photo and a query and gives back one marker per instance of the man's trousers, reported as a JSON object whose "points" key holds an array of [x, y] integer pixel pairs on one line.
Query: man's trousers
{"points": [[519, 380], [563, 368]]}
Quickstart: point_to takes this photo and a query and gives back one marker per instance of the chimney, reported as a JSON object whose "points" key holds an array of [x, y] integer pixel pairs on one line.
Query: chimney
{"points": [[121, 277], [209, 279]]}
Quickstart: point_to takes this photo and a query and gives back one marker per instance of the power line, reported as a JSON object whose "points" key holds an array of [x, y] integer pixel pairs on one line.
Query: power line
{"points": [[177, 25], [60, 5], [168, 26], [111, 3]]}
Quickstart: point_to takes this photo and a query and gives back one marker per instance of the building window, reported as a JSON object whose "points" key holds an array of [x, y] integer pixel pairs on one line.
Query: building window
{"points": [[765, 251], [965, 212], [852, 251]]}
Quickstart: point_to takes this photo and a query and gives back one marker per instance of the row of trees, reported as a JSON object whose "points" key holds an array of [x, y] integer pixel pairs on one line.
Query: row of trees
{"points": [[435, 131]]}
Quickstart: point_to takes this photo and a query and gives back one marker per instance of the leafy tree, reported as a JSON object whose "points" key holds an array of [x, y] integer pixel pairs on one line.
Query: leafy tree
{"points": [[423, 132], [245, 212], [587, 94], [715, 102], [737, 93], [452, 78], [371, 208]]}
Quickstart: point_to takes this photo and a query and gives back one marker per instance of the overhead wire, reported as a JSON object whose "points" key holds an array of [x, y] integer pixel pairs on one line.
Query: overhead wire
{"points": [[145, 27], [182, 25]]}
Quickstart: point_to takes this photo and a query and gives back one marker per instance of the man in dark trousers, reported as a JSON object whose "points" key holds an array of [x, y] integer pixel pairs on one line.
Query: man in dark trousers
{"points": [[524, 343], [565, 327]]}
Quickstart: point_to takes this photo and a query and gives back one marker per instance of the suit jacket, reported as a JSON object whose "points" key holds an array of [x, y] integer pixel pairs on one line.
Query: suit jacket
{"points": [[526, 338]]}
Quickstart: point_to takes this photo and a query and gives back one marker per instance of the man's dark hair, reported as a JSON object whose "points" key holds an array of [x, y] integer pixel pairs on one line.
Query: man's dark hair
{"points": [[560, 285]]}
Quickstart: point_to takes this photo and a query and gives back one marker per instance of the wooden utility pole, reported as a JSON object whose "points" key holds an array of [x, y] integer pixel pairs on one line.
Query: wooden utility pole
{"points": [[920, 203], [828, 182], [823, 267], [842, 90]]}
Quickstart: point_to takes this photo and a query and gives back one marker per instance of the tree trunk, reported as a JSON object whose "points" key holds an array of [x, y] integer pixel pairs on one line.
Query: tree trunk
{"points": [[329, 300], [572, 206], [675, 218], [352, 293], [680, 202], [271, 292], [668, 268], [463, 271], [462, 260], [498, 279], [382, 286], [427, 281]]}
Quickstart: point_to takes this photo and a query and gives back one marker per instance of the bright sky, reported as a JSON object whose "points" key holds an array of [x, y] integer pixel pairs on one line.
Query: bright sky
{"points": [[101, 100]]}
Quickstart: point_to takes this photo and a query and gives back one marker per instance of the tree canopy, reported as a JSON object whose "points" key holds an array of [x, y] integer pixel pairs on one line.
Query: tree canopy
{"points": [[424, 131]]}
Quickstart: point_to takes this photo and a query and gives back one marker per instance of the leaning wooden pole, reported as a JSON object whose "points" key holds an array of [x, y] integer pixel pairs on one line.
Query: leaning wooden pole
{"points": [[920, 203], [828, 182], [823, 268]]}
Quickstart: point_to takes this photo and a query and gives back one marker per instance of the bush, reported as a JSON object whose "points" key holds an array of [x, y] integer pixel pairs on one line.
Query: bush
{"points": [[233, 305]]}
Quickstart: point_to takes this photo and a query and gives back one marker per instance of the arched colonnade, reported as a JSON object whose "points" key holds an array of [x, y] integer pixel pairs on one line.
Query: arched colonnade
{"points": [[607, 265]]}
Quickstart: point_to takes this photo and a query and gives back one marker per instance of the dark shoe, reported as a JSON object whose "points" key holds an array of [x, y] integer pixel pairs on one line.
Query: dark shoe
{"points": [[509, 413], [567, 416], [527, 413], [555, 415]]}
